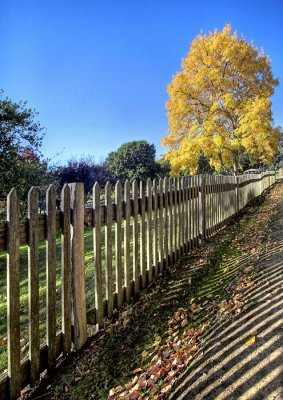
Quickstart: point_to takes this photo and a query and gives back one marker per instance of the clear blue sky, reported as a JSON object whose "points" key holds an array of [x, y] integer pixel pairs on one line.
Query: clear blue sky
{"points": [[97, 71]]}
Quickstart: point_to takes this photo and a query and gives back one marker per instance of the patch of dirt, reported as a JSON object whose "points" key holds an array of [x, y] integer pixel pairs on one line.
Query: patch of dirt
{"points": [[211, 316]]}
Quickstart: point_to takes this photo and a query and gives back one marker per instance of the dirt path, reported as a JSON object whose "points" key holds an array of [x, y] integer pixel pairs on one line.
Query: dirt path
{"points": [[244, 359], [210, 329]]}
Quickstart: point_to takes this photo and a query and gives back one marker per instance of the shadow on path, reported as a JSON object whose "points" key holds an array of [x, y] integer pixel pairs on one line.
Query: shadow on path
{"points": [[244, 359]]}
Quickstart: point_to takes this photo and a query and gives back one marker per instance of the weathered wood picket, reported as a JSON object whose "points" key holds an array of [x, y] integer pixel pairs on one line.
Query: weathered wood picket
{"points": [[146, 228]]}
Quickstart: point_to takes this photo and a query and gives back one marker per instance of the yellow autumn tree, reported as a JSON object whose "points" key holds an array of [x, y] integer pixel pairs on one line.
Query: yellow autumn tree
{"points": [[219, 105]]}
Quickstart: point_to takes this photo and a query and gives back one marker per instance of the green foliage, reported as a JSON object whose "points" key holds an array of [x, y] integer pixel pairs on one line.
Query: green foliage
{"points": [[132, 160], [203, 165], [82, 170], [20, 139], [163, 167], [278, 161]]}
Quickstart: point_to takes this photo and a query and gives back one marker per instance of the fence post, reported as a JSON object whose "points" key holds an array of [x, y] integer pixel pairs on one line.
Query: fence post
{"points": [[135, 196], [66, 269], [13, 295], [237, 194], [51, 275], [33, 284], [262, 186], [127, 238], [202, 209], [97, 256], [78, 269], [118, 244]]}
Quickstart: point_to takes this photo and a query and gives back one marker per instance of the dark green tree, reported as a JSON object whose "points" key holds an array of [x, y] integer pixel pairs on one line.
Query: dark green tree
{"points": [[203, 165], [20, 140], [163, 167], [82, 170], [132, 160]]}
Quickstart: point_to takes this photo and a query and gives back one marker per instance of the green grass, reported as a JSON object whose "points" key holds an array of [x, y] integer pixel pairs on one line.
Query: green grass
{"points": [[42, 292], [89, 280]]}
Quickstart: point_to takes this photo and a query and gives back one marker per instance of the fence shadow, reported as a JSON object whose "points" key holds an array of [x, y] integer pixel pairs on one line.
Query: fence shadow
{"points": [[243, 359]]}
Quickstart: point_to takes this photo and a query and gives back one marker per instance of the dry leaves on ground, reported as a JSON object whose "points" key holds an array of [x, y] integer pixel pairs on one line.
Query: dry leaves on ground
{"points": [[168, 358]]}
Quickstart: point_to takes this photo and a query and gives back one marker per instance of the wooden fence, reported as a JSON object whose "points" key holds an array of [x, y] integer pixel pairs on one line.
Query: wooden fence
{"points": [[138, 231]]}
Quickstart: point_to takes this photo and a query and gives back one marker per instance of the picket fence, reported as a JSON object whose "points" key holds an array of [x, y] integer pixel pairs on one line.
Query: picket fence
{"points": [[144, 227]]}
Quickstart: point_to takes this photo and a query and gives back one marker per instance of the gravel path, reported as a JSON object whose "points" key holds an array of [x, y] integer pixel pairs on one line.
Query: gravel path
{"points": [[244, 359]]}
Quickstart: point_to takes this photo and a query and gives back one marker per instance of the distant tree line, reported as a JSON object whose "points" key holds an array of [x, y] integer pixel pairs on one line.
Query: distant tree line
{"points": [[132, 160]]}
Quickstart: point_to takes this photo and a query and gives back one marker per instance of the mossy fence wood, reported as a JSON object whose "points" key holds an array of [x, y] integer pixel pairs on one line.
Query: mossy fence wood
{"points": [[139, 230]]}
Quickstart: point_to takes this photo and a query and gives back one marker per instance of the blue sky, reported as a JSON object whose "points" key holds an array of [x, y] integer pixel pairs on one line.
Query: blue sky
{"points": [[97, 71]]}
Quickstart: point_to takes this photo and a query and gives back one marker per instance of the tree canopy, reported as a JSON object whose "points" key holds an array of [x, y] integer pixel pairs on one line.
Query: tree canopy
{"points": [[132, 160], [219, 105], [83, 170], [20, 140]]}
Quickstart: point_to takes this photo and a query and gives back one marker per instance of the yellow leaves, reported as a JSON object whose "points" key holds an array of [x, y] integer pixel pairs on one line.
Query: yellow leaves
{"points": [[144, 354], [214, 107], [251, 340], [218, 141], [219, 103]]}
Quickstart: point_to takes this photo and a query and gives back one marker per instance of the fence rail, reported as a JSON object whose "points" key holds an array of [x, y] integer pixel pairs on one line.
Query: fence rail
{"points": [[138, 231]]}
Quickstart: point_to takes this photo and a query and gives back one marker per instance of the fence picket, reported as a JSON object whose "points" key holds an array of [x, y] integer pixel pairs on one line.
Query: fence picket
{"points": [[190, 212], [185, 211], [209, 207], [135, 235], [155, 226], [214, 202], [161, 226], [66, 269], [97, 256], [142, 236], [195, 213], [171, 224], [33, 284], [218, 203], [127, 239], [13, 296], [51, 275], [181, 218], [108, 249], [176, 243], [149, 228], [118, 243], [78, 267], [202, 208], [166, 222]]}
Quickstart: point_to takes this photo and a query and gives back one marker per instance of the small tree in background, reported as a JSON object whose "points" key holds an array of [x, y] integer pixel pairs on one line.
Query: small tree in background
{"points": [[83, 170], [132, 160]]}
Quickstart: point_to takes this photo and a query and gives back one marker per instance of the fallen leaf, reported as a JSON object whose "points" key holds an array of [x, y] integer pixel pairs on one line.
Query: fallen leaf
{"points": [[115, 390], [134, 395], [251, 340], [166, 388], [184, 323], [137, 370]]}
